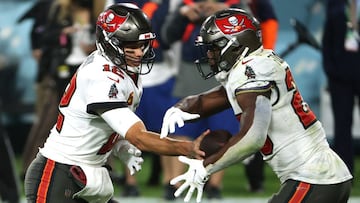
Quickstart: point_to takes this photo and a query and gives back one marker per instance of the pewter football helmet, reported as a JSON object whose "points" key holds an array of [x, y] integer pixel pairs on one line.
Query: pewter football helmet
{"points": [[122, 24], [227, 34]]}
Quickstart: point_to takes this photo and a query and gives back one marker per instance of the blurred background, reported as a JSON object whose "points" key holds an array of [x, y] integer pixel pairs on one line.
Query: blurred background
{"points": [[299, 41], [18, 68]]}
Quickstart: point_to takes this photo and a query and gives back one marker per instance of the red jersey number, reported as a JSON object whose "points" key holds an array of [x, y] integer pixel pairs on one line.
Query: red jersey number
{"points": [[109, 144], [65, 100], [268, 147], [69, 92], [301, 108]]}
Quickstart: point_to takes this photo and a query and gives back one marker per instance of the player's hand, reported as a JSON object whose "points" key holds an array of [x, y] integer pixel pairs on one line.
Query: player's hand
{"points": [[129, 154], [174, 116], [195, 178]]}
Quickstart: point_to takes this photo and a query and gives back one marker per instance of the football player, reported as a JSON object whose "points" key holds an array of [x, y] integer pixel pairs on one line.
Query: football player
{"points": [[96, 116], [275, 119]]}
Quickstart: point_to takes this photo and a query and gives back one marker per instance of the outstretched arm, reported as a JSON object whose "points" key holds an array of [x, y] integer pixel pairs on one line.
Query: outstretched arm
{"points": [[126, 123], [194, 107], [150, 141]]}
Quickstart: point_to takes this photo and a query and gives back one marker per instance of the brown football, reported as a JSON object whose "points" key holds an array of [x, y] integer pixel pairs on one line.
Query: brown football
{"points": [[214, 141]]}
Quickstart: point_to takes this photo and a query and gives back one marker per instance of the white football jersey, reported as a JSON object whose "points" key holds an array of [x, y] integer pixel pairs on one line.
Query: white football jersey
{"points": [[80, 136], [296, 146]]}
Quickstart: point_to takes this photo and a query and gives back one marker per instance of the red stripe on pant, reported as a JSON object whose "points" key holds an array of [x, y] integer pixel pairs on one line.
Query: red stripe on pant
{"points": [[45, 181], [301, 190]]}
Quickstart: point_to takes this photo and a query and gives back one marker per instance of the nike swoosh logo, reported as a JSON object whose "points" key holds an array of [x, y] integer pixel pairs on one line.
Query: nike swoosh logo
{"points": [[244, 62], [117, 81]]}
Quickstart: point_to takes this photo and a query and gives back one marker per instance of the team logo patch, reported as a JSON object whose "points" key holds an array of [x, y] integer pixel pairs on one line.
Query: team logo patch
{"points": [[235, 24], [249, 72], [113, 91]]}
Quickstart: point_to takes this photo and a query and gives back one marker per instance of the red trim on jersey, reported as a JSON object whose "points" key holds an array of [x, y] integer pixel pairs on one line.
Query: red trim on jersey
{"points": [[301, 190], [59, 122], [45, 181]]}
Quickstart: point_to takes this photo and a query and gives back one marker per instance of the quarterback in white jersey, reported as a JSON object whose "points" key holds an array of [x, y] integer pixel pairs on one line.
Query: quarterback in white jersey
{"points": [[96, 116], [274, 118]]}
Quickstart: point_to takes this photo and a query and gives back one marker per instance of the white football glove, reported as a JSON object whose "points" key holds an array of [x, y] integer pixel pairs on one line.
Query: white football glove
{"points": [[129, 154], [172, 117], [195, 178]]}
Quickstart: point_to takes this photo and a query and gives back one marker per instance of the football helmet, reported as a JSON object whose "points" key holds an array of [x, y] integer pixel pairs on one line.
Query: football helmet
{"points": [[224, 38], [122, 24]]}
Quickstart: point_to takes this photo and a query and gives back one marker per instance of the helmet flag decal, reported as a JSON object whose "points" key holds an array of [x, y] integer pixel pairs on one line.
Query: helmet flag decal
{"points": [[234, 24], [110, 21]]}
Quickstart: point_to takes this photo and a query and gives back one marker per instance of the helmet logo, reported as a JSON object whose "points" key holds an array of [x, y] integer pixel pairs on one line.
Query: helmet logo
{"points": [[235, 24], [233, 21], [110, 21]]}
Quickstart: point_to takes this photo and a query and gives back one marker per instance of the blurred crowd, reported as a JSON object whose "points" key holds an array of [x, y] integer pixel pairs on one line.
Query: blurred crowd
{"points": [[57, 35]]}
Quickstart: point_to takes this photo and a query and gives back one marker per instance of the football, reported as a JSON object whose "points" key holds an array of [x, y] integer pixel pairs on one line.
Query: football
{"points": [[214, 141]]}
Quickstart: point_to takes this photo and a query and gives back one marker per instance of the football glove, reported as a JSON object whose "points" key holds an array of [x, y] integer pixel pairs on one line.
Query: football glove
{"points": [[195, 178], [129, 154], [175, 116]]}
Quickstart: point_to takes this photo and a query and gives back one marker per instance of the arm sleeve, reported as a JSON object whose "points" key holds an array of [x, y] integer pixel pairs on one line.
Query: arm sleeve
{"points": [[120, 119]]}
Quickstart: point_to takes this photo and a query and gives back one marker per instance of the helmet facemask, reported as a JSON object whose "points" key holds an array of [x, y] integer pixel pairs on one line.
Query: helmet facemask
{"points": [[218, 55]]}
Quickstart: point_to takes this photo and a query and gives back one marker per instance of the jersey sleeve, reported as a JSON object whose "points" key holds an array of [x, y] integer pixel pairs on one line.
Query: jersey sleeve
{"points": [[120, 120], [104, 91], [253, 76]]}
